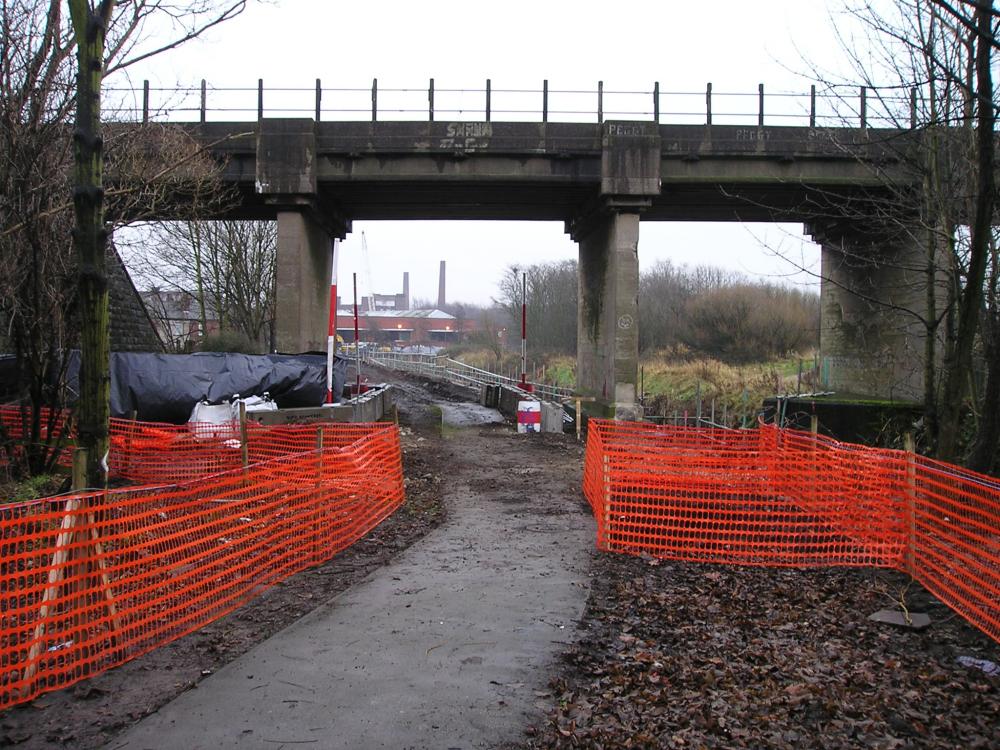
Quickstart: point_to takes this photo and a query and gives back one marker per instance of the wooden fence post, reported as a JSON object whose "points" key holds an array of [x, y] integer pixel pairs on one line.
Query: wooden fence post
{"points": [[57, 567], [244, 448], [319, 448], [318, 525], [62, 556], [579, 420], [814, 484]]}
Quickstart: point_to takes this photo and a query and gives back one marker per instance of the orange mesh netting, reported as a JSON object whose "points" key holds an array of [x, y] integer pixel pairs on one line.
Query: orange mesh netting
{"points": [[787, 498], [15, 424], [92, 580]]}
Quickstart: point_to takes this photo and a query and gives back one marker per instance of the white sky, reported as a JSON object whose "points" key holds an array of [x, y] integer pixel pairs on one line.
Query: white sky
{"points": [[735, 44]]}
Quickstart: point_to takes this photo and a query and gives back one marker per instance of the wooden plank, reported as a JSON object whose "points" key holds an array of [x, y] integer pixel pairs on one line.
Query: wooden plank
{"points": [[57, 565]]}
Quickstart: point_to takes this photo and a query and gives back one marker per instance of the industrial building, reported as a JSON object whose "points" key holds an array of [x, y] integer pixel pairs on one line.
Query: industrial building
{"points": [[388, 319]]}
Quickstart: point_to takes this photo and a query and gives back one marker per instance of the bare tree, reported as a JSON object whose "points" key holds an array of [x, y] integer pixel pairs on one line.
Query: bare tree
{"points": [[926, 65], [42, 307], [551, 304], [491, 334], [745, 322], [227, 267], [666, 293]]}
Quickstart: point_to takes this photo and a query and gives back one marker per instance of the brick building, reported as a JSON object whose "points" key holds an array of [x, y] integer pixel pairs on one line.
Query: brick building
{"points": [[404, 326]]}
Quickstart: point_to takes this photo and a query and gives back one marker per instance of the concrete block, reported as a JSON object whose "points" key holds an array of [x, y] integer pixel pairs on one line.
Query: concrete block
{"points": [[630, 159], [552, 417]]}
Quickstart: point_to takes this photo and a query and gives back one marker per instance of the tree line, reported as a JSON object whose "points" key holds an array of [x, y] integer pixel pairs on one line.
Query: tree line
{"points": [[701, 309]]}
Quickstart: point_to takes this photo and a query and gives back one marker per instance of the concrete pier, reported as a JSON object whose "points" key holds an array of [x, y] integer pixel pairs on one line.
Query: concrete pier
{"points": [[608, 315], [285, 180], [303, 281], [607, 349], [873, 296]]}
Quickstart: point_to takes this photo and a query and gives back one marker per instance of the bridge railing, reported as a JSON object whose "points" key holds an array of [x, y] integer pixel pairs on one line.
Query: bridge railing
{"points": [[445, 368], [831, 107]]}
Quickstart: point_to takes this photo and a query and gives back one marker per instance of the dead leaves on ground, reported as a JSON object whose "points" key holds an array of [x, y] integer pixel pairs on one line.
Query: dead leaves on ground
{"points": [[679, 655]]}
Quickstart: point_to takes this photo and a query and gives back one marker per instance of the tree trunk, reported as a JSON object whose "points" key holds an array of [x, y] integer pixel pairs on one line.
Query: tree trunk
{"points": [[90, 238], [930, 341], [984, 452], [970, 301]]}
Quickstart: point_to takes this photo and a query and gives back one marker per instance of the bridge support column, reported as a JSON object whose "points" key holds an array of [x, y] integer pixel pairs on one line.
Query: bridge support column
{"points": [[303, 283], [607, 340], [874, 287], [607, 331], [286, 180]]}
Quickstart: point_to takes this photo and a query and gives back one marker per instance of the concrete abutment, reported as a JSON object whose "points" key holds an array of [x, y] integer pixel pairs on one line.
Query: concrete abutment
{"points": [[874, 295]]}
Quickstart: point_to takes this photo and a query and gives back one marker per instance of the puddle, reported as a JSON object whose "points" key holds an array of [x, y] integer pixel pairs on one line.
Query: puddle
{"points": [[458, 414]]}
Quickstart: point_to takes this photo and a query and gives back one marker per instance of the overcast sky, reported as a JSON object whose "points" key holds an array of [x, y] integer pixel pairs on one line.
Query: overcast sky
{"points": [[735, 44]]}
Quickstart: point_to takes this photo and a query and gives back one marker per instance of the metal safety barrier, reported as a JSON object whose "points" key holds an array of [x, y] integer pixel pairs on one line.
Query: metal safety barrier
{"points": [[779, 497], [459, 373]]}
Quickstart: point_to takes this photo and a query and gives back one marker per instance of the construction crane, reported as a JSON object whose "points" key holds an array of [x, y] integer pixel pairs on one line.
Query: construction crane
{"points": [[367, 268]]}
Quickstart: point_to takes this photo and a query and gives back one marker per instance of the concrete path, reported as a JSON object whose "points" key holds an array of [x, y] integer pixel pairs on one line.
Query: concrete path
{"points": [[443, 648]]}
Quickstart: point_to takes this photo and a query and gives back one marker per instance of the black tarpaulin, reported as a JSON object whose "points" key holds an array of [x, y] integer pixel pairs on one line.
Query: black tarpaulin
{"points": [[165, 387]]}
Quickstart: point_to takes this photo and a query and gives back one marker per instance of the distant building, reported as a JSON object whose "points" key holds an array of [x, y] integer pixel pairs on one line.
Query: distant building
{"points": [[404, 326], [384, 301], [177, 318]]}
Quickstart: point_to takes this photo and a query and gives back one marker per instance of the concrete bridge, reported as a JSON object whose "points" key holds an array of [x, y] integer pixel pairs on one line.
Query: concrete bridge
{"points": [[599, 179]]}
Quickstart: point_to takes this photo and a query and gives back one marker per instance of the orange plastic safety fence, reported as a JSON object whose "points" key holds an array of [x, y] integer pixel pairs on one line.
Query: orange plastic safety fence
{"points": [[14, 420], [15, 425], [787, 498], [952, 523], [90, 581]]}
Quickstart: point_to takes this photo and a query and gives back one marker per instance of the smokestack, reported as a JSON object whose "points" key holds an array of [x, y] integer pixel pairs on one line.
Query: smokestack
{"points": [[406, 290], [441, 297]]}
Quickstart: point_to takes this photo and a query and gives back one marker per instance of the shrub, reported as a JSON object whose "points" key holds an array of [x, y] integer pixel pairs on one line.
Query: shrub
{"points": [[228, 341]]}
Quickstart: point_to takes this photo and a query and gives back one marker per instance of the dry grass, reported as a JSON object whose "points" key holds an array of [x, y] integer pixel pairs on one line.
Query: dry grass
{"points": [[677, 386]]}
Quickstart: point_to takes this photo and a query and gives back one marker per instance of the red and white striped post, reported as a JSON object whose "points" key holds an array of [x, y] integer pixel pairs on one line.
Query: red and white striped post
{"points": [[357, 339], [524, 333], [331, 333]]}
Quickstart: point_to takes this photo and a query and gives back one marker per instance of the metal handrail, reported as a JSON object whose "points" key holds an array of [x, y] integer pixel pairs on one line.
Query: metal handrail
{"points": [[835, 106], [452, 369]]}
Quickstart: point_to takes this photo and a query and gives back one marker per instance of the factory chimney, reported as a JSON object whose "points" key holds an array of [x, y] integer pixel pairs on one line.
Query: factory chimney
{"points": [[406, 290], [441, 297]]}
